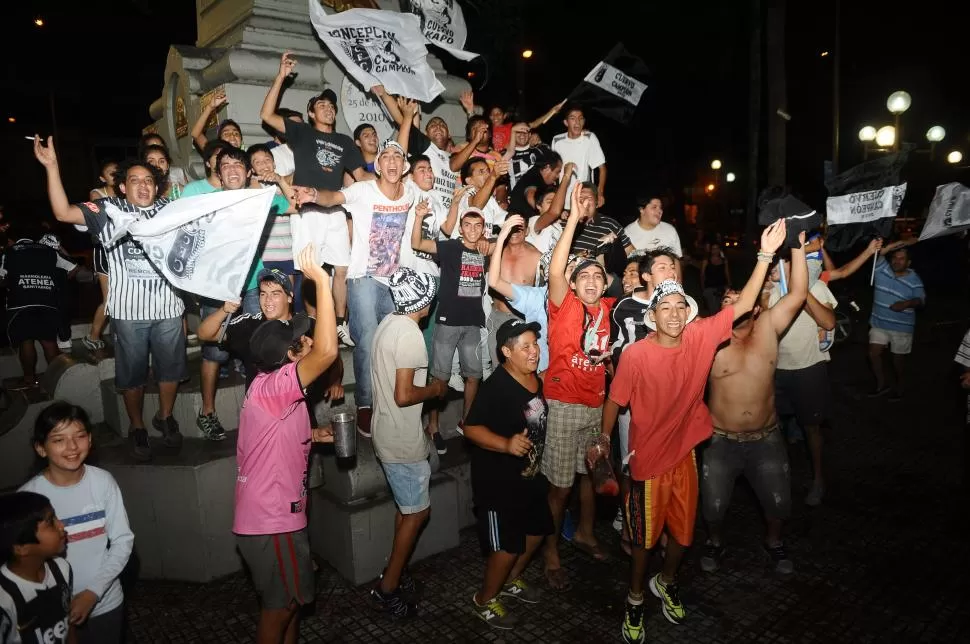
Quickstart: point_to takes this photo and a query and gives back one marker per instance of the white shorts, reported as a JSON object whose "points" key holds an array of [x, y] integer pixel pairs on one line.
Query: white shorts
{"points": [[899, 342], [327, 228], [623, 421]]}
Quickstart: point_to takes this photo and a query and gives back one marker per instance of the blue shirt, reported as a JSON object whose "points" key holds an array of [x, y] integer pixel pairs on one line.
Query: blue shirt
{"points": [[531, 302], [889, 289]]}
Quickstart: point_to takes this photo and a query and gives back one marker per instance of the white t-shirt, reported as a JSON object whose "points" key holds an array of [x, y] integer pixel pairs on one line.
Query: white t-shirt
{"points": [[798, 348], [445, 181], [545, 240], [585, 151], [51, 626], [663, 235], [379, 226], [431, 229], [398, 431], [494, 215], [283, 157]]}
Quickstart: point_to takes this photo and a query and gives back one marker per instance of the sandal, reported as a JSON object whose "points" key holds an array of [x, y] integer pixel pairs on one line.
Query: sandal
{"points": [[557, 579]]}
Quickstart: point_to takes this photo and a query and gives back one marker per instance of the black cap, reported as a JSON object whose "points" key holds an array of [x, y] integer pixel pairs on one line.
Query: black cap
{"points": [[276, 276], [513, 329], [272, 339], [326, 95]]}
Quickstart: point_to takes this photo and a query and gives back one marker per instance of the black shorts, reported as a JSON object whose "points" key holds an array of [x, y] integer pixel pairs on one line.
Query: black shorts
{"points": [[504, 529], [32, 323], [100, 260], [804, 394]]}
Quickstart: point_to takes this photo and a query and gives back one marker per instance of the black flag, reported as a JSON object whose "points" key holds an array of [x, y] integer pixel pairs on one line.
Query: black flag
{"points": [[863, 201], [615, 85]]}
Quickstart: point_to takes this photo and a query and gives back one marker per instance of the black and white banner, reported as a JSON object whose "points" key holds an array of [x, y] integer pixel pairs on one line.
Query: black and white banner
{"points": [[615, 86], [442, 24], [863, 201], [204, 244], [379, 48], [949, 211]]}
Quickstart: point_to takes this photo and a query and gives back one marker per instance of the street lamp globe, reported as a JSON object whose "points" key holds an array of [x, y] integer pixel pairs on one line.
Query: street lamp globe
{"points": [[868, 133], [527, 53], [886, 136], [716, 164], [898, 102], [731, 177], [935, 134], [710, 187], [954, 157]]}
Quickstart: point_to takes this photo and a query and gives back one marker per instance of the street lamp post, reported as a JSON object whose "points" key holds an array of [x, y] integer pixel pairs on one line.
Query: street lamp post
{"points": [[954, 157], [897, 103], [934, 135], [716, 167], [867, 135]]}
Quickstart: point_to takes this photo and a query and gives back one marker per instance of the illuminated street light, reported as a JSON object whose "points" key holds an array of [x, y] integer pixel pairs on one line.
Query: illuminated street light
{"points": [[11, 119], [824, 54], [886, 136], [868, 133], [716, 164], [39, 22], [730, 177], [898, 102], [954, 157], [935, 134], [710, 187], [527, 53]]}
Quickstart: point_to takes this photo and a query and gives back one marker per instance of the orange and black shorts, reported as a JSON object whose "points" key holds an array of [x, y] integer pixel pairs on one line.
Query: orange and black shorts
{"points": [[669, 499]]}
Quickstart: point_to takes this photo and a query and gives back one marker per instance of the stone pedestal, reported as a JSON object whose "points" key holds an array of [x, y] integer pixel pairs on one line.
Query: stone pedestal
{"points": [[238, 50]]}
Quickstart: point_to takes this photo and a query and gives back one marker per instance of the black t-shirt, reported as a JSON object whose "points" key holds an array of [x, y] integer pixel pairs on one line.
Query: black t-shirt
{"points": [[462, 285], [521, 162], [321, 157], [518, 204], [627, 324], [34, 275], [506, 408]]}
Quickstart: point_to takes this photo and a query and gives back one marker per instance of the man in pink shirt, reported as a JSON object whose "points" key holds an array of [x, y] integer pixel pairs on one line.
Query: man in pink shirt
{"points": [[271, 455]]}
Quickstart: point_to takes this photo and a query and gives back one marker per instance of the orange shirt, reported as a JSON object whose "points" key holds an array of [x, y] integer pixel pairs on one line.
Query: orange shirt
{"points": [[664, 388], [572, 377]]}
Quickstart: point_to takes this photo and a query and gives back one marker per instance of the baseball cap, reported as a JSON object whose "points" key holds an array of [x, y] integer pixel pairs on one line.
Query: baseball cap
{"points": [[472, 210], [390, 145], [411, 291], [326, 95], [585, 264], [272, 339], [277, 276], [513, 329]]}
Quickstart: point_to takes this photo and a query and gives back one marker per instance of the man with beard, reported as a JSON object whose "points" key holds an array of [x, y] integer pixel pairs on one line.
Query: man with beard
{"points": [[146, 311]]}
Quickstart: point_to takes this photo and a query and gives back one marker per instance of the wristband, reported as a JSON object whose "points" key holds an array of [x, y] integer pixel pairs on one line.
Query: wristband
{"points": [[766, 257]]}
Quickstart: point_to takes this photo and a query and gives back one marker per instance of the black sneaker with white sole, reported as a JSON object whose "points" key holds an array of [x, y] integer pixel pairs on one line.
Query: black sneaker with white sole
{"points": [[439, 443], [393, 603], [169, 428], [141, 449]]}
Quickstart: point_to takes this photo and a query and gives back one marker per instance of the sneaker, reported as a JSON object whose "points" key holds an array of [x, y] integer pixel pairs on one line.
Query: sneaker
{"points": [[392, 603], [518, 589], [779, 555], [141, 449], [814, 496], [92, 345], [494, 614], [461, 427], [711, 559], [406, 584], [363, 421], [439, 443], [210, 427], [169, 427], [876, 393], [343, 335], [65, 345], [632, 630], [618, 520], [669, 595]]}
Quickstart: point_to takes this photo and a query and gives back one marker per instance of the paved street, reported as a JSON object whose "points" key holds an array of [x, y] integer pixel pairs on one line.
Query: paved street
{"points": [[884, 559]]}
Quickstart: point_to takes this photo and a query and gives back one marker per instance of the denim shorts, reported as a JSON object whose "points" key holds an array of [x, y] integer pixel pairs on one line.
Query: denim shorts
{"points": [[467, 340], [211, 351], [135, 339], [410, 484]]}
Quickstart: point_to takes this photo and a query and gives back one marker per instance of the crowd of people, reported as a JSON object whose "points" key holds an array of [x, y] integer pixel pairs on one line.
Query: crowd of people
{"points": [[483, 267]]}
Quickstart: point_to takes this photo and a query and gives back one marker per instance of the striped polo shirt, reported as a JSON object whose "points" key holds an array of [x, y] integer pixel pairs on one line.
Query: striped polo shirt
{"points": [[889, 289]]}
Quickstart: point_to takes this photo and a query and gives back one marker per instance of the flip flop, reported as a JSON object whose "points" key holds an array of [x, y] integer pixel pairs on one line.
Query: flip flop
{"points": [[596, 552], [557, 579]]}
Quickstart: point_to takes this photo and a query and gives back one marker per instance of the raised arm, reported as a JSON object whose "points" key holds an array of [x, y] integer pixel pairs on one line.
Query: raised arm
{"points": [[558, 201], [542, 120], [390, 103], [458, 159], [480, 198], [325, 198], [198, 130], [451, 219], [495, 280], [558, 284], [785, 310], [324, 350], [823, 314], [209, 328], [411, 111], [268, 111], [421, 210], [601, 185], [842, 272], [771, 240], [63, 210], [897, 244]]}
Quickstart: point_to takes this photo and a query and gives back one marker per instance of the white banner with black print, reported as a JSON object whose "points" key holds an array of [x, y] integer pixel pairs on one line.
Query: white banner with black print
{"points": [[379, 48], [863, 207], [205, 244], [443, 25]]}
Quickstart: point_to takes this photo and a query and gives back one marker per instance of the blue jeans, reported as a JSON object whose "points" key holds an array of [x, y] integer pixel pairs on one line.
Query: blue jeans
{"points": [[135, 339], [369, 302]]}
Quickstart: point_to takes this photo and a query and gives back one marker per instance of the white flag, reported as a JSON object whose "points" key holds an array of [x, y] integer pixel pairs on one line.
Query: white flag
{"points": [[204, 244], [617, 83], [949, 211], [379, 48], [443, 25], [864, 207]]}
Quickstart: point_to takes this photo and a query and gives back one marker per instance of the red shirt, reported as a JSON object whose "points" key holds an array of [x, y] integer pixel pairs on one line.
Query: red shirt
{"points": [[572, 377], [664, 388], [501, 136]]}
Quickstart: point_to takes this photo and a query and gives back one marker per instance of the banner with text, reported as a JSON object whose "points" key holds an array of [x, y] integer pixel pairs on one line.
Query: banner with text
{"points": [[864, 207], [204, 244], [949, 211], [615, 86], [379, 48], [442, 24]]}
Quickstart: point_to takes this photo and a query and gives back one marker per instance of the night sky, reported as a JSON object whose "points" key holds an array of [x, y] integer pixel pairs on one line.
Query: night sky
{"points": [[102, 60]]}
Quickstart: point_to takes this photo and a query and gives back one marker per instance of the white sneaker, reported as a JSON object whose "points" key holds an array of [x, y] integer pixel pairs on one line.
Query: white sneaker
{"points": [[343, 335], [618, 520], [65, 345]]}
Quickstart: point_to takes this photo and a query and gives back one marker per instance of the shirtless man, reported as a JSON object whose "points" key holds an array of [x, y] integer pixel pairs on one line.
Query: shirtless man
{"points": [[520, 264], [747, 437]]}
